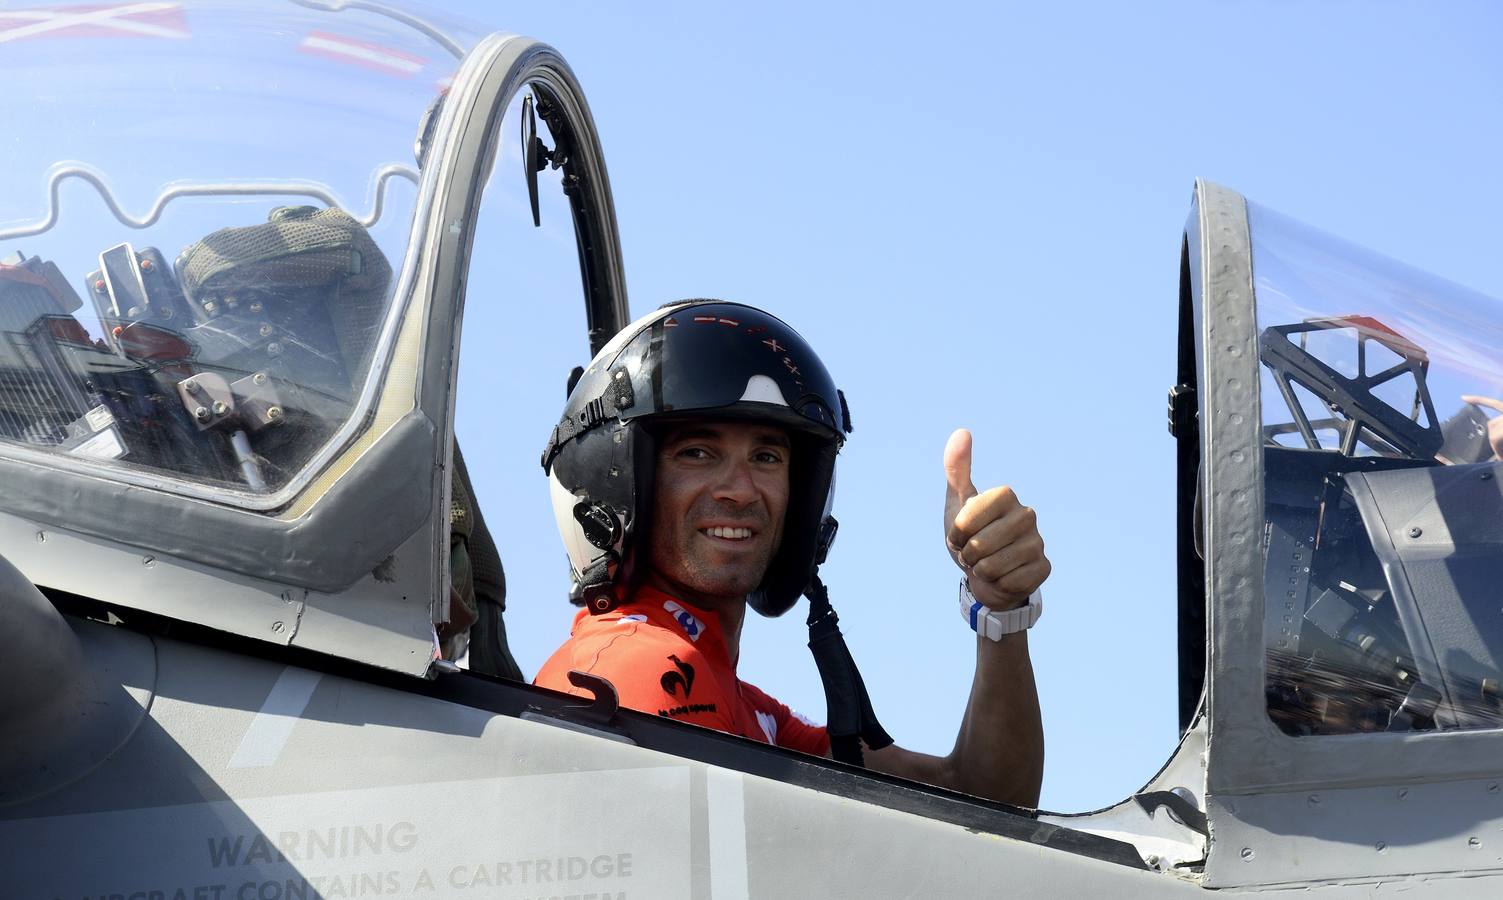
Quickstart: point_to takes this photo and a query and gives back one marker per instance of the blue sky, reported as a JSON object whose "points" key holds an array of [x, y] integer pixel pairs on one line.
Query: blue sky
{"points": [[974, 213]]}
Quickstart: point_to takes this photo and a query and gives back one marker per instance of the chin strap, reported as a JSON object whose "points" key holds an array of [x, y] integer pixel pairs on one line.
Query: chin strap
{"points": [[849, 711]]}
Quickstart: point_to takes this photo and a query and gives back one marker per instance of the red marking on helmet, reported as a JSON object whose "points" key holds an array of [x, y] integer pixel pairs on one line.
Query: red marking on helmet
{"points": [[774, 346], [709, 319], [669, 323], [791, 367], [731, 322]]}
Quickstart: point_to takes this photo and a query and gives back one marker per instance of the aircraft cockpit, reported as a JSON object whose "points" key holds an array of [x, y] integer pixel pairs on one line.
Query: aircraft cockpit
{"points": [[229, 365]]}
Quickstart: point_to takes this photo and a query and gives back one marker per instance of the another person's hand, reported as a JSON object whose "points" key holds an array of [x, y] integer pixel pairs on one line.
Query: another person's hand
{"points": [[991, 536], [1494, 425]]}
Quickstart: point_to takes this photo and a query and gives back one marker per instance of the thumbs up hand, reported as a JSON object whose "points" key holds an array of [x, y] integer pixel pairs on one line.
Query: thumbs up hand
{"points": [[992, 537]]}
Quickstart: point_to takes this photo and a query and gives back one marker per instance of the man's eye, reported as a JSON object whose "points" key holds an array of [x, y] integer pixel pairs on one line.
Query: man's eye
{"points": [[769, 457], [692, 453]]}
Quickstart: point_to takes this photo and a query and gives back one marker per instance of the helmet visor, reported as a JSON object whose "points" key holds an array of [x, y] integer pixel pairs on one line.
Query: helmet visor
{"points": [[716, 355]]}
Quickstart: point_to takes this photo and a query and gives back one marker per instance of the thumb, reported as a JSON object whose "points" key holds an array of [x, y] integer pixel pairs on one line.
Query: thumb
{"points": [[958, 470]]}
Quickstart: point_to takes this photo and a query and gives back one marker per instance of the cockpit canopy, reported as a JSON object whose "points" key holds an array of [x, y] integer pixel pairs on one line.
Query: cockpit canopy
{"points": [[1384, 514], [208, 237]]}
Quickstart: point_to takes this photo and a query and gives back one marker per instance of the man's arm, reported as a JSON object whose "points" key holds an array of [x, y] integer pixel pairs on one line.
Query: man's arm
{"points": [[999, 751]]}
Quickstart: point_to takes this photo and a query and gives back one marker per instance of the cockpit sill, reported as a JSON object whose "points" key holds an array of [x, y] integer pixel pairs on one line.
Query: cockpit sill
{"points": [[677, 739]]}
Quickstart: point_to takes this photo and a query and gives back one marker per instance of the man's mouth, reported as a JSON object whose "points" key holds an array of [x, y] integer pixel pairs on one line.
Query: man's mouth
{"points": [[727, 533]]}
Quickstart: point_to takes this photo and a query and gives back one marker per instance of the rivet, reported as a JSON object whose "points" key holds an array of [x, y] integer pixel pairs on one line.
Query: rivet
{"points": [[1247, 854], [1152, 860]]}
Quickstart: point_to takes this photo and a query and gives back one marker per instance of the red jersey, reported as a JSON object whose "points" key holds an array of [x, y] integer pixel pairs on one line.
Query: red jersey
{"points": [[664, 656]]}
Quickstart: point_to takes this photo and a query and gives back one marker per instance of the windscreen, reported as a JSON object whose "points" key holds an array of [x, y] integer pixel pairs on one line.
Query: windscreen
{"points": [[1383, 530], [206, 228]]}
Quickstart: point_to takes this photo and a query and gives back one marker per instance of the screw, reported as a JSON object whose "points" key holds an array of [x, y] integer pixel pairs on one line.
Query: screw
{"points": [[259, 378], [265, 330], [41, 537], [192, 386], [210, 306], [148, 561], [1314, 799], [1492, 788], [1153, 861], [1403, 793], [1474, 843], [273, 413], [201, 414], [1416, 531], [1247, 853], [220, 407], [273, 349], [255, 306], [277, 627], [1381, 847], [1487, 476]]}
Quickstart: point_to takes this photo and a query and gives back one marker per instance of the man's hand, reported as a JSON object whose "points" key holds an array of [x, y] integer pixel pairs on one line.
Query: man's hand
{"points": [[992, 537], [1494, 425]]}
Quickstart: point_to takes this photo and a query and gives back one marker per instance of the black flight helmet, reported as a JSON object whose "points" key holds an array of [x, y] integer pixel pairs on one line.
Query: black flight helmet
{"points": [[699, 359]]}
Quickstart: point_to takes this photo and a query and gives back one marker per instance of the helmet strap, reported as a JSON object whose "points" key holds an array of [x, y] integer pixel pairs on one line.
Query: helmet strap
{"points": [[597, 587], [850, 720]]}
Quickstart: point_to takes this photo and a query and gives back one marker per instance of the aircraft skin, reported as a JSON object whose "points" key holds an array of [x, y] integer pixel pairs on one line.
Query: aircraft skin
{"points": [[238, 692]]}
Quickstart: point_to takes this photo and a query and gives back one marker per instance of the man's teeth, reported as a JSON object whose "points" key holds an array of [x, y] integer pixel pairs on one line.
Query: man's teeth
{"points": [[735, 534]]}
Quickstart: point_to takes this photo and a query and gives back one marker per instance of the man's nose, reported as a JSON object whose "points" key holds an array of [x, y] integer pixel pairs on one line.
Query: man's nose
{"points": [[735, 484]]}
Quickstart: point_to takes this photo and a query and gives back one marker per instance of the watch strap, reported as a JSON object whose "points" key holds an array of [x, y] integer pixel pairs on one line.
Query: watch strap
{"points": [[992, 623]]}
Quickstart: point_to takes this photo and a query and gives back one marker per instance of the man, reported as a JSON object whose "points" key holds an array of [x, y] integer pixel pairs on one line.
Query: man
{"points": [[692, 475]]}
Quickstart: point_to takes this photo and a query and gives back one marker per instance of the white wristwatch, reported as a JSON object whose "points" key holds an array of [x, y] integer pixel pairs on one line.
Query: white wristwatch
{"points": [[993, 623]]}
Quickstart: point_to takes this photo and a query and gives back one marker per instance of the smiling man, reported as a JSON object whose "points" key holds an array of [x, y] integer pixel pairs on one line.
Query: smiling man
{"points": [[692, 475]]}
